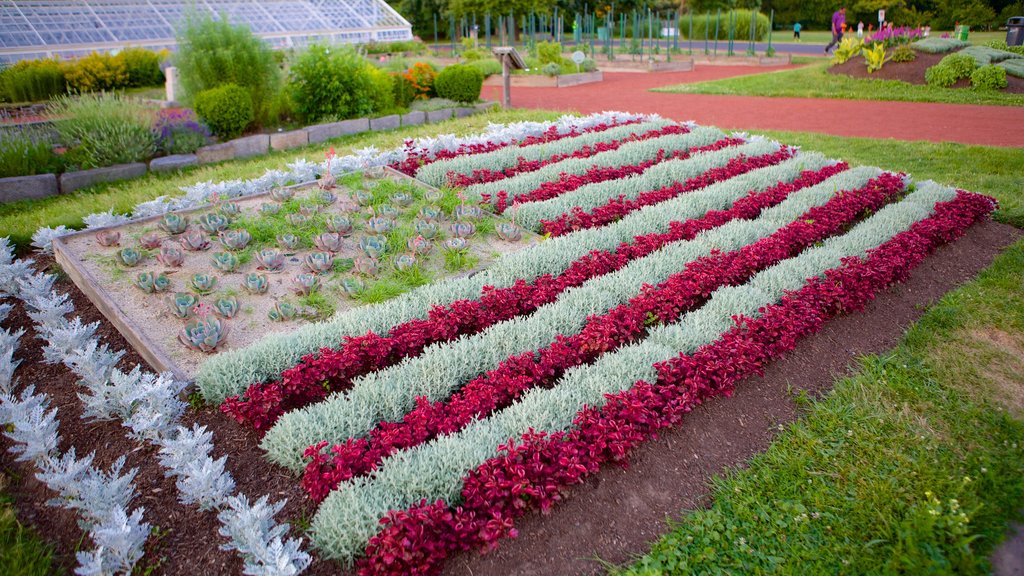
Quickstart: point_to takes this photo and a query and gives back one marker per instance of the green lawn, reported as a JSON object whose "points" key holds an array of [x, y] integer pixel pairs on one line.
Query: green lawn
{"points": [[22, 553], [915, 464], [814, 82]]}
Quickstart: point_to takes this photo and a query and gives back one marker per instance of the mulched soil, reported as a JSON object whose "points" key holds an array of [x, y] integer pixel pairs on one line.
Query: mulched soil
{"points": [[613, 516], [912, 72]]}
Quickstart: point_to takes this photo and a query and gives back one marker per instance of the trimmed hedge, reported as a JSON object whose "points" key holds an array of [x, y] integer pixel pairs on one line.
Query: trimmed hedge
{"points": [[227, 110], [741, 26], [989, 78], [936, 45], [460, 83]]}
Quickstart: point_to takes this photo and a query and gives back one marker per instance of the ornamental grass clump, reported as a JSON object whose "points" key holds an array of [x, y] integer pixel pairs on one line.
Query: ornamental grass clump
{"points": [[26, 151], [104, 129]]}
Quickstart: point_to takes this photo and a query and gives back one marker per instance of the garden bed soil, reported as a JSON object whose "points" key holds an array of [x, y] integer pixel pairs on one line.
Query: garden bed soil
{"points": [[614, 515], [911, 72]]}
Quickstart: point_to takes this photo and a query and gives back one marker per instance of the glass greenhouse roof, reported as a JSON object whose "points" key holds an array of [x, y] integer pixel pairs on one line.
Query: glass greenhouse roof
{"points": [[40, 28]]}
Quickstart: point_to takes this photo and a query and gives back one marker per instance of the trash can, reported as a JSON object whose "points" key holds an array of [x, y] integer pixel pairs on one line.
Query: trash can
{"points": [[1015, 31], [961, 34]]}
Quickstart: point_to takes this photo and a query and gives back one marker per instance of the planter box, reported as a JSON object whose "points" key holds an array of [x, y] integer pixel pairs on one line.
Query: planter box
{"points": [[322, 132], [577, 79], [439, 115], [385, 122], [71, 181], [286, 140], [255, 145], [673, 66], [27, 187], [414, 118], [538, 81], [175, 162], [216, 153]]}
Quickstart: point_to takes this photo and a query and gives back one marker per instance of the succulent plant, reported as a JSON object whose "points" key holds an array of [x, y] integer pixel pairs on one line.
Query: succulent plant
{"points": [[508, 231], [325, 197], [328, 242], [213, 222], [462, 229], [467, 212], [129, 256], [373, 246], [269, 209], [309, 210], [405, 261], [226, 307], [203, 283], [338, 224], [455, 244], [149, 282], [288, 241], [362, 197], [365, 266], [319, 262], [327, 181], [194, 240], [181, 304], [296, 219], [235, 239], [419, 245], [254, 283], [388, 211], [352, 286], [173, 223], [306, 284], [426, 228], [282, 311], [108, 238], [230, 209], [431, 213], [432, 195], [170, 256], [269, 259], [204, 333], [282, 194], [225, 261], [402, 199], [150, 240], [380, 224]]}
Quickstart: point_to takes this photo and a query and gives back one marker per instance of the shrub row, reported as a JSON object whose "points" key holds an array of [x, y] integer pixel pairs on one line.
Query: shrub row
{"points": [[40, 80]]}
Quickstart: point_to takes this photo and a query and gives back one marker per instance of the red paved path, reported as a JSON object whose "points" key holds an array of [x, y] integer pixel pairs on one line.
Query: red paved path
{"points": [[968, 124]]}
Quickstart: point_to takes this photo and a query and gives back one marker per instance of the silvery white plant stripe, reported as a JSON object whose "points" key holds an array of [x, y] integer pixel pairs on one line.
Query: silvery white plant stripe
{"points": [[304, 171], [231, 372], [667, 173], [629, 154], [11, 269], [149, 406], [350, 515], [443, 368], [249, 527], [436, 173]]}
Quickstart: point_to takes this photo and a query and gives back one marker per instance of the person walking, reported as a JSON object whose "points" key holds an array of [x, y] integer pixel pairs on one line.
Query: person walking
{"points": [[860, 29], [796, 31], [838, 23]]}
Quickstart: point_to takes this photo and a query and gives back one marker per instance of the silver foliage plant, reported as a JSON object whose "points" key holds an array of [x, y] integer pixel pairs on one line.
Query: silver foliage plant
{"points": [[252, 532]]}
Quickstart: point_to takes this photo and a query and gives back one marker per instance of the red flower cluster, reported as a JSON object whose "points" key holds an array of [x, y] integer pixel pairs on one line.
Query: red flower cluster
{"points": [[578, 219], [485, 175], [536, 471], [681, 292], [416, 157], [333, 369]]}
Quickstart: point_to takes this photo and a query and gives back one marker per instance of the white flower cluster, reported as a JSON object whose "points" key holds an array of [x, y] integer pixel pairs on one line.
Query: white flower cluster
{"points": [[304, 171], [149, 405]]}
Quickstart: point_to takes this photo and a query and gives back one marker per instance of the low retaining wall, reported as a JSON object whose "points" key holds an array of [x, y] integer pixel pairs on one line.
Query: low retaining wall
{"points": [[538, 81]]}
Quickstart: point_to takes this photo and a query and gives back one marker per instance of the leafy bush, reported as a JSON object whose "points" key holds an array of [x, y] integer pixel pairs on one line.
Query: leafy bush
{"points": [[936, 45], [904, 54], [942, 76], [381, 89], [962, 65], [143, 67], [24, 152], [875, 57], [228, 110], [847, 49], [334, 82], [179, 132], [404, 92], [104, 129], [487, 67], [96, 72], [213, 53], [413, 46], [422, 76], [549, 52], [588, 65], [989, 77], [704, 22], [460, 83], [474, 54], [552, 69], [32, 81]]}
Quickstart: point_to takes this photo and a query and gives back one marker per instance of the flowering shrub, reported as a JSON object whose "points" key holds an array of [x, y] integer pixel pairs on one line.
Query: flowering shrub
{"points": [[895, 36], [178, 131], [421, 75]]}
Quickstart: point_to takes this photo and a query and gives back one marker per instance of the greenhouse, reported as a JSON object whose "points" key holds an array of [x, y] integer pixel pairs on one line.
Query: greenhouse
{"points": [[45, 28]]}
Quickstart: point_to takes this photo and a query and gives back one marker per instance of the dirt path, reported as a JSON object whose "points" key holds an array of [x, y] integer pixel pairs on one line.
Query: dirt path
{"points": [[966, 124]]}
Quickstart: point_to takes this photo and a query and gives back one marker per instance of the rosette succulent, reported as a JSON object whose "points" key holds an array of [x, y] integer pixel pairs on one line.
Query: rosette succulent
{"points": [[309, 210], [282, 194], [288, 241], [426, 228], [325, 197], [362, 197], [226, 307], [173, 224], [150, 240], [213, 222], [352, 286], [387, 211], [225, 261], [457, 244], [431, 213], [181, 304], [269, 209], [306, 284], [149, 282], [380, 224], [508, 231], [170, 256], [467, 212], [404, 262], [462, 229], [129, 256], [419, 245], [365, 266], [296, 219], [108, 238], [204, 333], [402, 199], [254, 283], [194, 240], [235, 239], [230, 209], [338, 224], [203, 283], [373, 246], [319, 262], [269, 259], [283, 311], [432, 195], [328, 242]]}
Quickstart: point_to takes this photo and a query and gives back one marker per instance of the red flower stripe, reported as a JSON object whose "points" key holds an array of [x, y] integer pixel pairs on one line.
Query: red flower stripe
{"points": [[626, 323], [484, 175], [578, 219], [416, 157], [570, 182], [333, 369], [536, 470]]}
